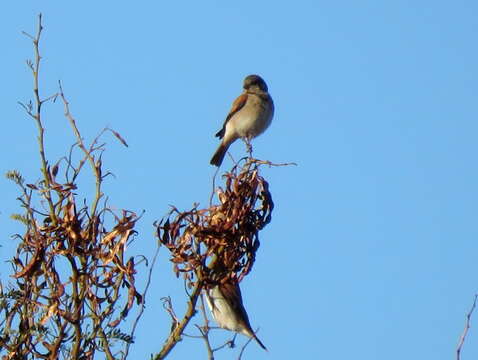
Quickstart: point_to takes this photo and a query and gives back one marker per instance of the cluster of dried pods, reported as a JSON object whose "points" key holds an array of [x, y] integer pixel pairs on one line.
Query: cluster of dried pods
{"points": [[219, 243]]}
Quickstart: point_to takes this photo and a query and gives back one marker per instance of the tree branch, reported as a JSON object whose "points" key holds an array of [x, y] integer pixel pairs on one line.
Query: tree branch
{"points": [[465, 330], [175, 335]]}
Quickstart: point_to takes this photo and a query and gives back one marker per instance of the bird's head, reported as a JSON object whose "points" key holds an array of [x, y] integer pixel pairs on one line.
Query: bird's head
{"points": [[255, 81]]}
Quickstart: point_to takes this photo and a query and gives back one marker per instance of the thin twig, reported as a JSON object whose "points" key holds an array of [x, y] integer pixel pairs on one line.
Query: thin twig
{"points": [[35, 68], [213, 186], [205, 330], [204, 336], [230, 343], [176, 333], [244, 348], [95, 166], [465, 330], [143, 299], [251, 161]]}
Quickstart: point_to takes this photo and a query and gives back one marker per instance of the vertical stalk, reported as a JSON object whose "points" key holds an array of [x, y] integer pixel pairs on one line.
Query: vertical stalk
{"points": [[35, 67]]}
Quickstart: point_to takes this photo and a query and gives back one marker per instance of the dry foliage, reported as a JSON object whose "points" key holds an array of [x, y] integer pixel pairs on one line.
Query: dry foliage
{"points": [[219, 243], [72, 284]]}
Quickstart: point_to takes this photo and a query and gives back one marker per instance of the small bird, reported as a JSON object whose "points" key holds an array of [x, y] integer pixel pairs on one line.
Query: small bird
{"points": [[225, 302], [250, 115]]}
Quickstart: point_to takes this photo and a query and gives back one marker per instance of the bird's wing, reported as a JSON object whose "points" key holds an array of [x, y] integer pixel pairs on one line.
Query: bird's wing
{"points": [[232, 295], [237, 105]]}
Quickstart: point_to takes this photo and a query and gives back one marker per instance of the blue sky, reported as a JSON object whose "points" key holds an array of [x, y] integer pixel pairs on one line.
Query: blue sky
{"points": [[372, 250]]}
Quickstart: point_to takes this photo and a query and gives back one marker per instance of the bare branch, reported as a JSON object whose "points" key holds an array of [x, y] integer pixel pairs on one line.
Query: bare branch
{"points": [[204, 330], [95, 166], [36, 114], [175, 335], [465, 330], [143, 300]]}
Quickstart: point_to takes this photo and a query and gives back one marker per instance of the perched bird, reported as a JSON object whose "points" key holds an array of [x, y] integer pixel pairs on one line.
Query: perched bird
{"points": [[250, 115], [225, 302]]}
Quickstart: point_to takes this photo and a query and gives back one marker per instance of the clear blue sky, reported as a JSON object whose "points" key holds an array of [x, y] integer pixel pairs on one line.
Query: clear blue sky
{"points": [[372, 252]]}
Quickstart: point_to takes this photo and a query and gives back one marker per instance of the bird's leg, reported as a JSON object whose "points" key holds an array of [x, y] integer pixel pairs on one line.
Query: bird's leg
{"points": [[247, 140], [232, 342]]}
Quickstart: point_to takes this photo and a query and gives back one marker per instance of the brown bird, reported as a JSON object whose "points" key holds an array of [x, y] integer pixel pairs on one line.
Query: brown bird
{"points": [[225, 302], [250, 115]]}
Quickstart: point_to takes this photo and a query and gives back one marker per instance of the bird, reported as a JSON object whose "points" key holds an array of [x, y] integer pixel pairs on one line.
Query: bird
{"points": [[250, 115], [225, 302]]}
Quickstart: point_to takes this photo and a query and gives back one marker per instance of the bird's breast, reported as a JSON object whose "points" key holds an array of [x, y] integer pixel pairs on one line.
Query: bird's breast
{"points": [[254, 118], [223, 313]]}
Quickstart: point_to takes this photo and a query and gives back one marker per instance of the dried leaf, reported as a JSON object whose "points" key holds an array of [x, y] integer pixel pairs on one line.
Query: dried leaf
{"points": [[119, 137], [54, 170], [32, 265], [52, 310]]}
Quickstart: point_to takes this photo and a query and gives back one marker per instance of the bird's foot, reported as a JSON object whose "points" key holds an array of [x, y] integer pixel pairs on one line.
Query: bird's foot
{"points": [[248, 146]]}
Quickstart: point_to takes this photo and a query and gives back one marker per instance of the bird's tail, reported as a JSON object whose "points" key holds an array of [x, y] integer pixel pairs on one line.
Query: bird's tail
{"points": [[219, 155], [259, 342]]}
